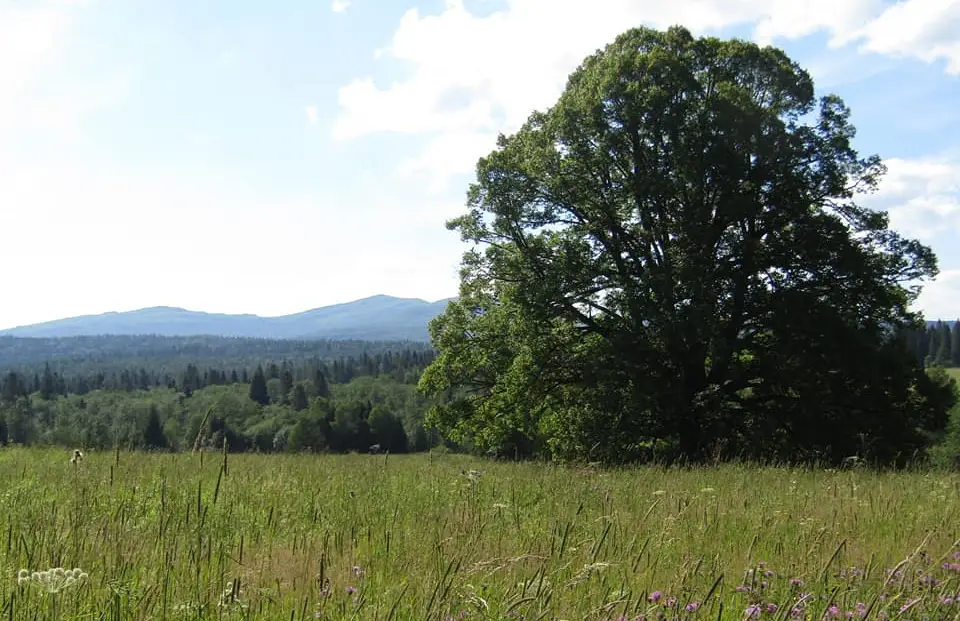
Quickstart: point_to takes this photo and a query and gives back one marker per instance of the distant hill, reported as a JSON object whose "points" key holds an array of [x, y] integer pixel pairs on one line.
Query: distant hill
{"points": [[377, 318]]}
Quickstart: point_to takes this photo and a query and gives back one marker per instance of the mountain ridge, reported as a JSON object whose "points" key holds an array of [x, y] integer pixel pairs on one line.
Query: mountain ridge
{"points": [[377, 317]]}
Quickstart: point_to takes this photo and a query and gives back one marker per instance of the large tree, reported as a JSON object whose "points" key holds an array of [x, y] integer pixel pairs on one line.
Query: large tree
{"points": [[671, 260]]}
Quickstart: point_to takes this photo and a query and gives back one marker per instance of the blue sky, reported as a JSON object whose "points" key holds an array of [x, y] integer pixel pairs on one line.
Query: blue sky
{"points": [[270, 157]]}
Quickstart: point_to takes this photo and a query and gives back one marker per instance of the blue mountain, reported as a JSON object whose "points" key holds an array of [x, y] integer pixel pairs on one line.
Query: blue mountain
{"points": [[380, 317]]}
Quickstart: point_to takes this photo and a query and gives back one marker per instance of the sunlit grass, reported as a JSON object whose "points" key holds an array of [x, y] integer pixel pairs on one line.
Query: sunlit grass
{"points": [[415, 537]]}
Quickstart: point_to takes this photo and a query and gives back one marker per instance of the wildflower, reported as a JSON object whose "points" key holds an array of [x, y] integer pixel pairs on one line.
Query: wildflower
{"points": [[796, 582], [358, 571], [833, 612], [947, 600], [752, 611], [671, 602], [929, 580], [693, 606], [655, 597], [351, 590], [743, 588], [771, 607]]}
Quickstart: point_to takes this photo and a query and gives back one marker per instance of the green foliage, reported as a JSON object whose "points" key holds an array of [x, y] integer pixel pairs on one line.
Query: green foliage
{"points": [[670, 263], [287, 407]]}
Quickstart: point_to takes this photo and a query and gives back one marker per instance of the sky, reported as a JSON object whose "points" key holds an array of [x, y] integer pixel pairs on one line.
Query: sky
{"points": [[244, 156]]}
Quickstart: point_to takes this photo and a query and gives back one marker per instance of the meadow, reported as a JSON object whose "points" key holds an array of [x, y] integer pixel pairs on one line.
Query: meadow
{"points": [[288, 537]]}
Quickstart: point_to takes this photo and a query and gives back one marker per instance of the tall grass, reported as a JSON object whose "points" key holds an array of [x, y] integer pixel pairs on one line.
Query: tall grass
{"points": [[420, 537]]}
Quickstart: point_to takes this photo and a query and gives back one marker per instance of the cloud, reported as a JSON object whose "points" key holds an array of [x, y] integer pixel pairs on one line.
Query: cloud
{"points": [[472, 77], [922, 196], [311, 112], [928, 30], [940, 299], [339, 6]]}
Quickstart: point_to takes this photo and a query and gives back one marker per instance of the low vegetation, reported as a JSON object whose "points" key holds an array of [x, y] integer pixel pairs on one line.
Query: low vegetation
{"points": [[214, 536]]}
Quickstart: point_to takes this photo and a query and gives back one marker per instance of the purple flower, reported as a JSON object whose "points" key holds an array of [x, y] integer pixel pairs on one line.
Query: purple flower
{"points": [[946, 600], [771, 607], [693, 606], [797, 582], [833, 612], [671, 602], [752, 611], [351, 590], [655, 596], [743, 588]]}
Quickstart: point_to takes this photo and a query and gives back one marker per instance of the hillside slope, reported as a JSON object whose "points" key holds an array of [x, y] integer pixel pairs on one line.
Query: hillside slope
{"points": [[379, 317]]}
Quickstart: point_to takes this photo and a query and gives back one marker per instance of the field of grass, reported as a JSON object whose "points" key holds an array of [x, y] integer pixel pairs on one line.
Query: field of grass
{"points": [[415, 537]]}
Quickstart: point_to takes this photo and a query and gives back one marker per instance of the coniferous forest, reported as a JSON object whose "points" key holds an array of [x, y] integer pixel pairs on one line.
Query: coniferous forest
{"points": [[176, 393]]}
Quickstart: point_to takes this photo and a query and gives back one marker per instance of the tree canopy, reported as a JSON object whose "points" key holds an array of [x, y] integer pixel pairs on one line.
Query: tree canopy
{"points": [[671, 262]]}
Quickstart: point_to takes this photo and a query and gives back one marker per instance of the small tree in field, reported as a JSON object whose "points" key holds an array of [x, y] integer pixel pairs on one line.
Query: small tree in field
{"points": [[671, 261]]}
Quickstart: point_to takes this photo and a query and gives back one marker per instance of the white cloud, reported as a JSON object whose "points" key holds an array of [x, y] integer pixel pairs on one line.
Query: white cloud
{"points": [[446, 156], [925, 29], [311, 112], [339, 6], [940, 299], [922, 196], [476, 76]]}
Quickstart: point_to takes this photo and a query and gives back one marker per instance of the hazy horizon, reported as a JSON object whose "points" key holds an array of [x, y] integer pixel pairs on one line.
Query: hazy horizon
{"points": [[253, 158], [214, 313]]}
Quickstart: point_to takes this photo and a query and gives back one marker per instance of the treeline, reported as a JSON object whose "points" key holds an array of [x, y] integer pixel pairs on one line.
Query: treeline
{"points": [[113, 354], [354, 403], [937, 344]]}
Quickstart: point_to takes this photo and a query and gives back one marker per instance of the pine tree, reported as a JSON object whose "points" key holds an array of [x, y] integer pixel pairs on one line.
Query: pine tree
{"points": [[955, 345], [321, 386], [299, 400], [47, 386], [944, 351], [258, 387], [153, 436]]}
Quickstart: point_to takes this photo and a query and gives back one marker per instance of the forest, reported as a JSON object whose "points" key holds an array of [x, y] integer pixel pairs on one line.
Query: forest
{"points": [[171, 393]]}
